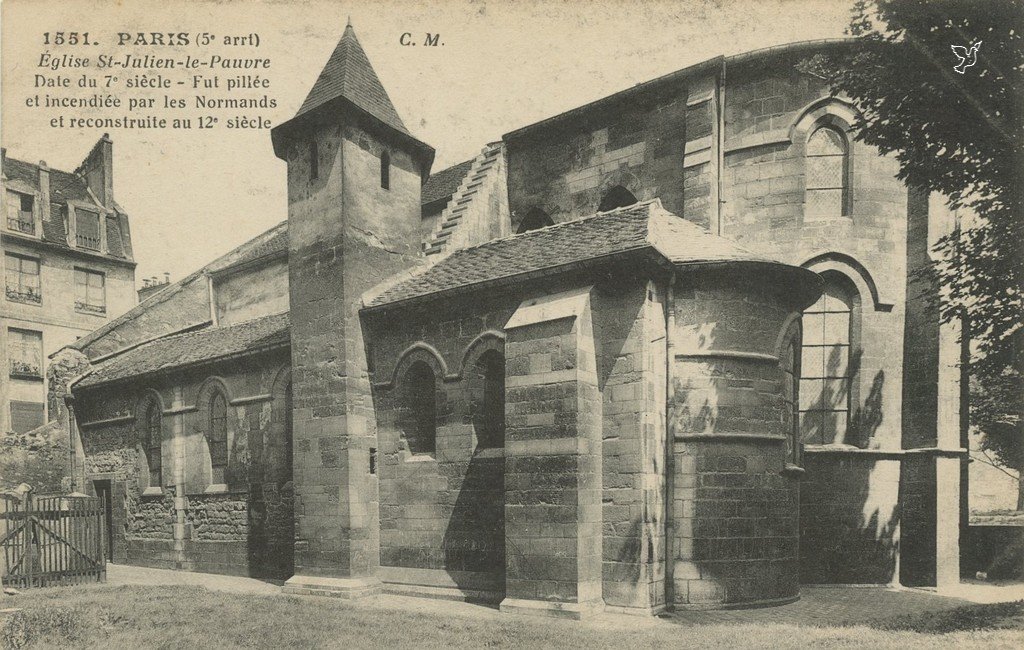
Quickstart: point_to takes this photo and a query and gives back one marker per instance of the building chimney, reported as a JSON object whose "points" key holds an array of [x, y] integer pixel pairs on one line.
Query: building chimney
{"points": [[44, 197], [98, 171]]}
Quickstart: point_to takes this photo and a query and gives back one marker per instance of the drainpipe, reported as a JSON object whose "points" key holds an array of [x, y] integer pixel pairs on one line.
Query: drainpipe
{"points": [[670, 351], [721, 147]]}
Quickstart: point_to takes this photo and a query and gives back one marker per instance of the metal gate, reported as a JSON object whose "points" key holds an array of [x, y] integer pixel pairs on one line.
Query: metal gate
{"points": [[51, 540]]}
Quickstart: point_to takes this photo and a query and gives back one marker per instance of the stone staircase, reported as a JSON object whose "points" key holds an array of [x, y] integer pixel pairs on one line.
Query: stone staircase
{"points": [[457, 210]]}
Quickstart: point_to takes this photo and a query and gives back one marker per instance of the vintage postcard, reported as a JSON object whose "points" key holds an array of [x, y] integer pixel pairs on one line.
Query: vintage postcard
{"points": [[515, 324]]}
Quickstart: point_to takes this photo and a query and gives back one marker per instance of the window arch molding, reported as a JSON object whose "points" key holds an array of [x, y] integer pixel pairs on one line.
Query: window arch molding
{"points": [[860, 275], [208, 424], [149, 423], [826, 111], [418, 351]]}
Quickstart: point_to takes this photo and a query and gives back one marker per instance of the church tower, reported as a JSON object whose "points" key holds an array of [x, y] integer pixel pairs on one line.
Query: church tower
{"points": [[354, 179]]}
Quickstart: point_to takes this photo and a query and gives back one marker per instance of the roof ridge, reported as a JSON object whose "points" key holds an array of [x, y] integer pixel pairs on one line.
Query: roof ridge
{"points": [[50, 169]]}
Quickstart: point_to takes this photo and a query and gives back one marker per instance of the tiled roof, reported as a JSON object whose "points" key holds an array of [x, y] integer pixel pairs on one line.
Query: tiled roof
{"points": [[190, 348], [348, 74], [641, 226], [444, 183]]}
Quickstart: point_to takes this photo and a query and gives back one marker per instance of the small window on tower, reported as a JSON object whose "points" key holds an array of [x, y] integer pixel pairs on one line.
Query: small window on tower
{"points": [[385, 170], [314, 161]]}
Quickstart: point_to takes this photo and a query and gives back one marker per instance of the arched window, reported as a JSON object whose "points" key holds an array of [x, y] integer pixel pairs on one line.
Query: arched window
{"points": [[148, 427], [153, 440], [488, 389], [616, 197], [385, 170], [314, 161], [827, 174], [534, 219], [217, 437], [829, 328], [420, 408]]}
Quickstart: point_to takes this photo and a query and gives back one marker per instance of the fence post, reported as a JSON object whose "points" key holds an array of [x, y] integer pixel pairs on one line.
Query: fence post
{"points": [[30, 556]]}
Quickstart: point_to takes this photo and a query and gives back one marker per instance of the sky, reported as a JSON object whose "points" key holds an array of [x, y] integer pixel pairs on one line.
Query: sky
{"points": [[194, 195]]}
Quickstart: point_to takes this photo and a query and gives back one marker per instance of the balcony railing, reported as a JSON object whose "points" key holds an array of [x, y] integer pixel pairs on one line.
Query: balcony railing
{"points": [[25, 369], [24, 294], [85, 241], [22, 223], [90, 308]]}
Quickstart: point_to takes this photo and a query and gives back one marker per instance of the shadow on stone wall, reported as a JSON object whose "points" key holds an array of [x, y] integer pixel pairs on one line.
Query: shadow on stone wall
{"points": [[474, 537]]}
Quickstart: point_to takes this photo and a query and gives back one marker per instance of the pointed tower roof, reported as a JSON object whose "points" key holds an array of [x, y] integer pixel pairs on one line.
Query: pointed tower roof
{"points": [[349, 75]]}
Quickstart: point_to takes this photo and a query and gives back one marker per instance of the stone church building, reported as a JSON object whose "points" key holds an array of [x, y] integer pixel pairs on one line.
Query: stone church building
{"points": [[667, 349]]}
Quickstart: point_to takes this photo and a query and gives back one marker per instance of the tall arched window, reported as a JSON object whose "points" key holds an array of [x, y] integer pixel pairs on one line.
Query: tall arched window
{"points": [[616, 197], [385, 170], [314, 161], [153, 440], [217, 437], [829, 328], [827, 174], [489, 400], [790, 395], [534, 219], [420, 408]]}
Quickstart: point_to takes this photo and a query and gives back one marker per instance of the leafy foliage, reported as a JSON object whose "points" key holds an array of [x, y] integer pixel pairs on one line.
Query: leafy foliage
{"points": [[962, 136]]}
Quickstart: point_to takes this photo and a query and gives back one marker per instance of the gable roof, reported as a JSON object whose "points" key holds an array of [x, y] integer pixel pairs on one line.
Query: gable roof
{"points": [[348, 74], [190, 348], [641, 227]]}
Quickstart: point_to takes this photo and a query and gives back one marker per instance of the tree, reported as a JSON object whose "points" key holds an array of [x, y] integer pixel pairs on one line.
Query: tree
{"points": [[960, 135]]}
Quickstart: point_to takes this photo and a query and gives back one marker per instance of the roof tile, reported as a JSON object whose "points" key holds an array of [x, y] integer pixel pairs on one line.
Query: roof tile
{"points": [[186, 349], [641, 226], [348, 74]]}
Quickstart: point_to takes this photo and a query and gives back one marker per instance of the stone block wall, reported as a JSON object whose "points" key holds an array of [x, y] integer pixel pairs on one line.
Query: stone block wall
{"points": [[638, 144], [247, 530], [422, 496], [442, 519], [629, 325], [849, 518], [769, 113], [553, 461], [735, 494]]}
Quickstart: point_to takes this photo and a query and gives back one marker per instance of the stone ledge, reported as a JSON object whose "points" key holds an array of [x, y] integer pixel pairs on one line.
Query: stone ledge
{"points": [[752, 604], [572, 611], [345, 588], [443, 593]]}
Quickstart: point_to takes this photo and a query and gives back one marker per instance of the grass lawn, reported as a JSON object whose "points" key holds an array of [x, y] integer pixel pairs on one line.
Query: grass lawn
{"points": [[191, 617]]}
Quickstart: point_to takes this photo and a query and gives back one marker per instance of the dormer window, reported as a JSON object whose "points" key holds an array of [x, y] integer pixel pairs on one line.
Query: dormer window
{"points": [[21, 212], [385, 170], [87, 229]]}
